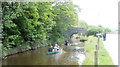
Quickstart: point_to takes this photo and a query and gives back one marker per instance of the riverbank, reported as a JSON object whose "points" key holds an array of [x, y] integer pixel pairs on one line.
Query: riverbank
{"points": [[73, 55], [21, 49], [104, 57]]}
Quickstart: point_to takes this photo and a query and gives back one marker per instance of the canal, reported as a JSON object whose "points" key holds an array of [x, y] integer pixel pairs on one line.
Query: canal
{"points": [[73, 55]]}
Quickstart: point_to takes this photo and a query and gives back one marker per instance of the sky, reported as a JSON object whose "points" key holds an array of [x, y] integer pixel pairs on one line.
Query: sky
{"points": [[99, 12]]}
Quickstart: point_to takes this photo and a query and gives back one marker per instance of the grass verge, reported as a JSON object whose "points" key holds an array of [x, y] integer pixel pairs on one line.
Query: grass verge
{"points": [[104, 57]]}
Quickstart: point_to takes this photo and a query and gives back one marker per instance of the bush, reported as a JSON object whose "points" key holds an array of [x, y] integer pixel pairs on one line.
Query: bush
{"points": [[85, 38]]}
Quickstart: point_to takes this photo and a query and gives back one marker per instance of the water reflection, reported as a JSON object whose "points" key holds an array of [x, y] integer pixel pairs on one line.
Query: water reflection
{"points": [[72, 56]]}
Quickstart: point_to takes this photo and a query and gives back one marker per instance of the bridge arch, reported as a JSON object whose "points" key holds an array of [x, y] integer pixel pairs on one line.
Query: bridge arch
{"points": [[74, 30]]}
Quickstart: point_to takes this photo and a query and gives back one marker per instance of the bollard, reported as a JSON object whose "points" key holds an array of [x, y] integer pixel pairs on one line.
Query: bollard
{"points": [[96, 58], [98, 42]]}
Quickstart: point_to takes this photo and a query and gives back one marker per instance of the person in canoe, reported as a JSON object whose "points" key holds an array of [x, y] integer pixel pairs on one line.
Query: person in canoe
{"points": [[50, 49], [56, 47]]}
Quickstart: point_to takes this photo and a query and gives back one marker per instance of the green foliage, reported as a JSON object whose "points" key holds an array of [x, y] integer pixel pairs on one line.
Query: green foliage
{"points": [[65, 17], [83, 24], [83, 38], [11, 33], [107, 30], [32, 23], [93, 30]]}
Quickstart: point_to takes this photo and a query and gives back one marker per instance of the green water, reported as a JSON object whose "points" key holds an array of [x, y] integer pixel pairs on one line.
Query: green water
{"points": [[72, 56]]}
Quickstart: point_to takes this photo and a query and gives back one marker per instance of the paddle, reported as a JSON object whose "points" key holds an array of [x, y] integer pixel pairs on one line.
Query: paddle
{"points": [[63, 50]]}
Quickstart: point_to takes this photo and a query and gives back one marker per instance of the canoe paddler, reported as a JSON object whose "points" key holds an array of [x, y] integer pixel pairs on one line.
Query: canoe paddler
{"points": [[56, 47], [50, 49]]}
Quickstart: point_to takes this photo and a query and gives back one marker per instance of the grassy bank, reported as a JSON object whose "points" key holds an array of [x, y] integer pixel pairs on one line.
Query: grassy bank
{"points": [[104, 57]]}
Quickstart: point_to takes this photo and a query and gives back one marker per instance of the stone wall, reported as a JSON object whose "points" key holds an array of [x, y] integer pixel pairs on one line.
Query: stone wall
{"points": [[74, 30]]}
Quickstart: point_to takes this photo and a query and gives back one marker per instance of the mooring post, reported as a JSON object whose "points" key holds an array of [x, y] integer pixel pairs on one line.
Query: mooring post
{"points": [[96, 56], [96, 51], [98, 42]]}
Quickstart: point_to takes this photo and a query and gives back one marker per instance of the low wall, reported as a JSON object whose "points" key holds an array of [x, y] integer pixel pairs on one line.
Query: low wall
{"points": [[20, 49]]}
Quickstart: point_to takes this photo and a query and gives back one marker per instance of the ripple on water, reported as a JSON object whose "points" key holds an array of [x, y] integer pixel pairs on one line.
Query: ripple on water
{"points": [[73, 56]]}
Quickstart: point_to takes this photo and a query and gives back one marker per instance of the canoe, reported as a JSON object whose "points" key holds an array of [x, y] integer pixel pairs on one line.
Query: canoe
{"points": [[59, 51]]}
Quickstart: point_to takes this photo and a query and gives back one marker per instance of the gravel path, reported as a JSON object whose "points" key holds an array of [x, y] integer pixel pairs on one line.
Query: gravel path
{"points": [[111, 45]]}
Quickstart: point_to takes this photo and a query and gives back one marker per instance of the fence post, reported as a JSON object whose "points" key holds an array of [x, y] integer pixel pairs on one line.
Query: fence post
{"points": [[96, 56], [97, 51], [98, 42]]}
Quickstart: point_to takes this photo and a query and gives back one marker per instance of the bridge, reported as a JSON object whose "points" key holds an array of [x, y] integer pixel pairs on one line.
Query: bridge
{"points": [[74, 30]]}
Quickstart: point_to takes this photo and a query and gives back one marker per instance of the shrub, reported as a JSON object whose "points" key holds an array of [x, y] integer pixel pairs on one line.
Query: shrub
{"points": [[84, 38]]}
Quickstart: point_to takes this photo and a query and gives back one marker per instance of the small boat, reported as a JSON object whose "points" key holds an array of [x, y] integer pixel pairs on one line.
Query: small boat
{"points": [[54, 52]]}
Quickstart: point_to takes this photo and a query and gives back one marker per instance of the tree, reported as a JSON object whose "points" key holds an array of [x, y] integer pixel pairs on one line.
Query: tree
{"points": [[46, 17], [107, 30], [65, 17], [83, 24], [11, 33], [29, 23], [93, 30]]}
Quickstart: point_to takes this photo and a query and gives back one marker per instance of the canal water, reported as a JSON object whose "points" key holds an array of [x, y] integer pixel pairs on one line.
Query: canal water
{"points": [[73, 55]]}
